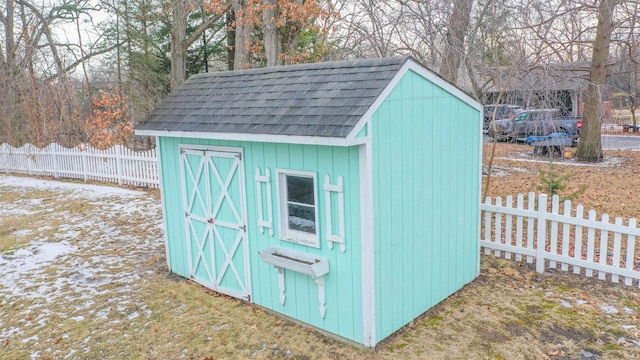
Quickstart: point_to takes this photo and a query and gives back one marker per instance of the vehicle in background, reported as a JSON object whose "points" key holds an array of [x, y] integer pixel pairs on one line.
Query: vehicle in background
{"points": [[502, 112], [537, 122]]}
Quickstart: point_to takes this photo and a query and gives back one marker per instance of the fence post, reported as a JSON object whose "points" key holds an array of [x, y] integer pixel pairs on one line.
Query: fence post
{"points": [[84, 163], [5, 152], [55, 160], [119, 163], [27, 158], [542, 232]]}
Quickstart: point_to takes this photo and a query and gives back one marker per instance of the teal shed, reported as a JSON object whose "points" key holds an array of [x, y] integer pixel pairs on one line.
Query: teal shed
{"points": [[342, 194]]}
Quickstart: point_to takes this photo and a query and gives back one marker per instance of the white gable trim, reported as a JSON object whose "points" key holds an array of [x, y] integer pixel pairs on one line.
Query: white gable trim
{"points": [[425, 73], [284, 139]]}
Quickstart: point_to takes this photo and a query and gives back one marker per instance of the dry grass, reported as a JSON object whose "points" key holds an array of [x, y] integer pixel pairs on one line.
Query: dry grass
{"points": [[612, 188], [110, 295]]}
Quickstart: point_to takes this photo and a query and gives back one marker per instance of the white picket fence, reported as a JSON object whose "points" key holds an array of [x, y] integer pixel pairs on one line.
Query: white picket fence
{"points": [[117, 164], [561, 240]]}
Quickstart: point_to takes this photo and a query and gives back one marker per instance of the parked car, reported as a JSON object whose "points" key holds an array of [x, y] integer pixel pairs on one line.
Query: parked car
{"points": [[538, 122], [503, 112]]}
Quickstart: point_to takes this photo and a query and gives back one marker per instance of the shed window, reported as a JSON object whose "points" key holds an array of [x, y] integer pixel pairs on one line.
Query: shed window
{"points": [[298, 207]]}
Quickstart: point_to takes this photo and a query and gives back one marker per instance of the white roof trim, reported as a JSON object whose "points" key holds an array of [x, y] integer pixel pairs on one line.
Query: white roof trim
{"points": [[410, 64], [286, 139]]}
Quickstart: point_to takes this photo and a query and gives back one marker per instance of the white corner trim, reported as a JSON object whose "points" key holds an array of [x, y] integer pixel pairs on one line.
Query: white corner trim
{"points": [[367, 244]]}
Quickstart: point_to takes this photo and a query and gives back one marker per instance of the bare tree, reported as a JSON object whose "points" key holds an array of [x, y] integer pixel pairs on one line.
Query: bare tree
{"points": [[590, 146], [180, 42], [455, 51]]}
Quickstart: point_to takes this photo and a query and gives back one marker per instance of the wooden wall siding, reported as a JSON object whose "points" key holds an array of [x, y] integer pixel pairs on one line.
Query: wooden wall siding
{"points": [[426, 182], [343, 284]]}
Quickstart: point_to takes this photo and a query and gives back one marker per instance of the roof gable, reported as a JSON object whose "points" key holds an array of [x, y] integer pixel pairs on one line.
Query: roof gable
{"points": [[319, 99]]}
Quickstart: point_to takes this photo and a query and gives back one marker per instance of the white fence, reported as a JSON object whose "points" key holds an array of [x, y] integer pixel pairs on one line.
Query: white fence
{"points": [[561, 240], [117, 164]]}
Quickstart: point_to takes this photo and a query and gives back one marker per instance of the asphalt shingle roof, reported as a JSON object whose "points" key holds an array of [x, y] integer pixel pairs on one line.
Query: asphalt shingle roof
{"points": [[320, 99]]}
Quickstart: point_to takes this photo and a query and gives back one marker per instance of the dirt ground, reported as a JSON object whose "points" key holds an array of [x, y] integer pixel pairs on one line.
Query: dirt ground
{"points": [[107, 292]]}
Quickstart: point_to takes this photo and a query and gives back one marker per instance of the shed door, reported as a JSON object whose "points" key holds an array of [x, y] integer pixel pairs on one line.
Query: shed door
{"points": [[214, 203]]}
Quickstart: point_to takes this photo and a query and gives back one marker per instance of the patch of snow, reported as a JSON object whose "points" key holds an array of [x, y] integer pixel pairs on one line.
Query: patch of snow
{"points": [[21, 233], [25, 261], [32, 338], [628, 327], [102, 314], [96, 256], [609, 309], [529, 157], [628, 310], [10, 332], [565, 303], [581, 302], [78, 189]]}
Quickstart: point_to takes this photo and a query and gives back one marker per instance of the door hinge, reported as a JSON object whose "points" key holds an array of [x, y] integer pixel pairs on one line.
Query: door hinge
{"points": [[239, 156], [186, 214], [243, 228]]}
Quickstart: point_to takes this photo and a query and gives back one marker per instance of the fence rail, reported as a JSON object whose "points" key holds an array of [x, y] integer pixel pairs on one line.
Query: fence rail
{"points": [[117, 164], [561, 239]]}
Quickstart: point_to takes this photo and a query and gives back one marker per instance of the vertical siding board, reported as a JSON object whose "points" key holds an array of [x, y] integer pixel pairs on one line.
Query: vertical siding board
{"points": [[253, 158], [382, 220], [268, 279], [339, 165], [334, 280], [297, 285], [407, 256], [417, 196]]}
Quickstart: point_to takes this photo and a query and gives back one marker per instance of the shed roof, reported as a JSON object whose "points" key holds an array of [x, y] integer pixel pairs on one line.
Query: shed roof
{"points": [[319, 99]]}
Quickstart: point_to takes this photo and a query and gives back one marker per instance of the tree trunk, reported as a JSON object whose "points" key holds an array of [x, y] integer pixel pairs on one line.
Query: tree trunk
{"points": [[231, 39], [590, 147], [243, 35], [9, 45], [454, 51], [178, 51], [270, 32]]}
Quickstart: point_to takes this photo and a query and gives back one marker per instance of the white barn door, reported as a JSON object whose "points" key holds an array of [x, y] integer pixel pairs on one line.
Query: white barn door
{"points": [[215, 219]]}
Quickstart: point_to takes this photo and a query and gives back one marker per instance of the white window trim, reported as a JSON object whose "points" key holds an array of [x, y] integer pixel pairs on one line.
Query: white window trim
{"points": [[285, 232]]}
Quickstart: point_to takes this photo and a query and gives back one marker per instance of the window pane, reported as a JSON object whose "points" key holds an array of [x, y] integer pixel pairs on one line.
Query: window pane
{"points": [[300, 189], [302, 218]]}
